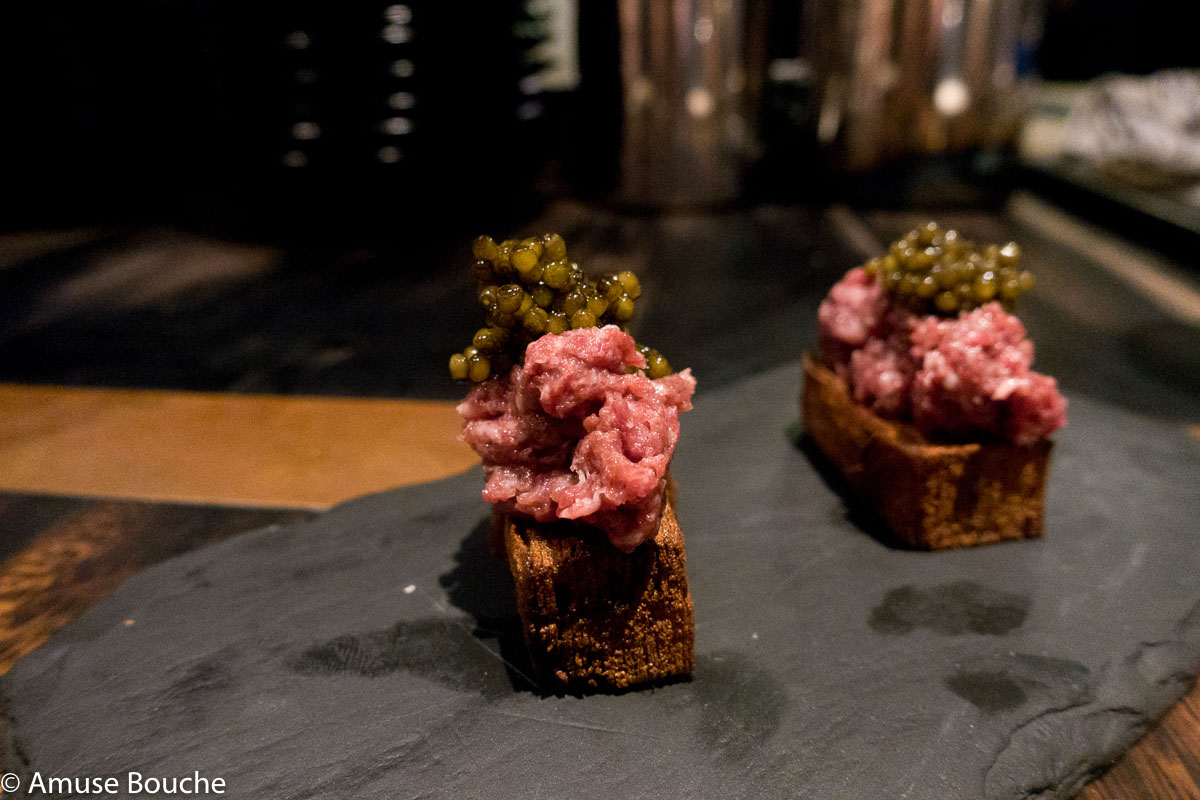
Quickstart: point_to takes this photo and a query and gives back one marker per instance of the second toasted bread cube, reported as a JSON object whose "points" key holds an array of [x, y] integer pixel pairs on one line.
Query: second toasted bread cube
{"points": [[929, 495]]}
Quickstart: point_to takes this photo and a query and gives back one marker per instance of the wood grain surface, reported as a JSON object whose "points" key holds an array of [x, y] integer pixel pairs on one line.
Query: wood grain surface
{"points": [[253, 450], [1164, 765], [77, 551]]}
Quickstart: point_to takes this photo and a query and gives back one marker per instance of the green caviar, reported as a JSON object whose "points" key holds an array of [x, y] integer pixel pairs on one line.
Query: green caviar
{"points": [[529, 288], [932, 270]]}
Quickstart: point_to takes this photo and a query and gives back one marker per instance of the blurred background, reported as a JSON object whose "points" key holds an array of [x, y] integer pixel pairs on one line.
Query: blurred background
{"points": [[279, 197]]}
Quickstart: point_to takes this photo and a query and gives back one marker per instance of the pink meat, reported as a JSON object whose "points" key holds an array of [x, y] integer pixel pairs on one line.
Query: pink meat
{"points": [[953, 378], [975, 376], [851, 314], [572, 435], [881, 371]]}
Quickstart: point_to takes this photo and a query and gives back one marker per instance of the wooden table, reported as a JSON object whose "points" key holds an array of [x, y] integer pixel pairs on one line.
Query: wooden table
{"points": [[97, 484]]}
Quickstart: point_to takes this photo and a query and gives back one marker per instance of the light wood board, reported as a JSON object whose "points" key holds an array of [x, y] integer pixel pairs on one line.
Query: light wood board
{"points": [[255, 450]]}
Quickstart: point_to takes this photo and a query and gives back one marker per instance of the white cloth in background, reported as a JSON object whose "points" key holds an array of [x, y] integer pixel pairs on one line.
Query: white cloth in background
{"points": [[1149, 124]]}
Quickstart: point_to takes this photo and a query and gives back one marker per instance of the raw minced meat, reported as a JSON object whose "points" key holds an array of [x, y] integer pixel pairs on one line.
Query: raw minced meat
{"points": [[851, 315], [975, 376], [881, 375], [572, 435], [954, 378]]}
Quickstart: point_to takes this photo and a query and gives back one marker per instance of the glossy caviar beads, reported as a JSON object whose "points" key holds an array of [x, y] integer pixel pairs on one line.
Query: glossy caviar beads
{"points": [[932, 270], [529, 288]]}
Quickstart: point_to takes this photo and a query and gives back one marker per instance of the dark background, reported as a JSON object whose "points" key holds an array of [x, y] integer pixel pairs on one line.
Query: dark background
{"points": [[183, 110], [167, 228]]}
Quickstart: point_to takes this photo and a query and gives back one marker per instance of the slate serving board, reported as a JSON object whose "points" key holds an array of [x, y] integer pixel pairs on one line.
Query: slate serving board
{"points": [[372, 651]]}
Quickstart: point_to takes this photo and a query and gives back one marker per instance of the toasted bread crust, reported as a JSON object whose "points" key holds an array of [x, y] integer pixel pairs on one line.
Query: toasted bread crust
{"points": [[930, 496], [594, 617]]}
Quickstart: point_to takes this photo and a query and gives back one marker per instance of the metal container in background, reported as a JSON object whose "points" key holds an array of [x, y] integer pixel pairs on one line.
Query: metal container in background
{"points": [[897, 78], [691, 77]]}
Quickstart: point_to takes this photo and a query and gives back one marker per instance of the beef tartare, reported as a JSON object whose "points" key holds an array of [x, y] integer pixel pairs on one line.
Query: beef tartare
{"points": [[923, 395], [957, 378], [576, 424], [578, 433]]}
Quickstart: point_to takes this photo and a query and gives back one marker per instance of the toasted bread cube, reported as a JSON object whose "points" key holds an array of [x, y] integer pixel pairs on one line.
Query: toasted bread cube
{"points": [[597, 618], [930, 496]]}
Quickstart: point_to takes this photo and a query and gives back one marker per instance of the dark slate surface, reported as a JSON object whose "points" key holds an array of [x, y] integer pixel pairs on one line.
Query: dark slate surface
{"points": [[298, 662]]}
